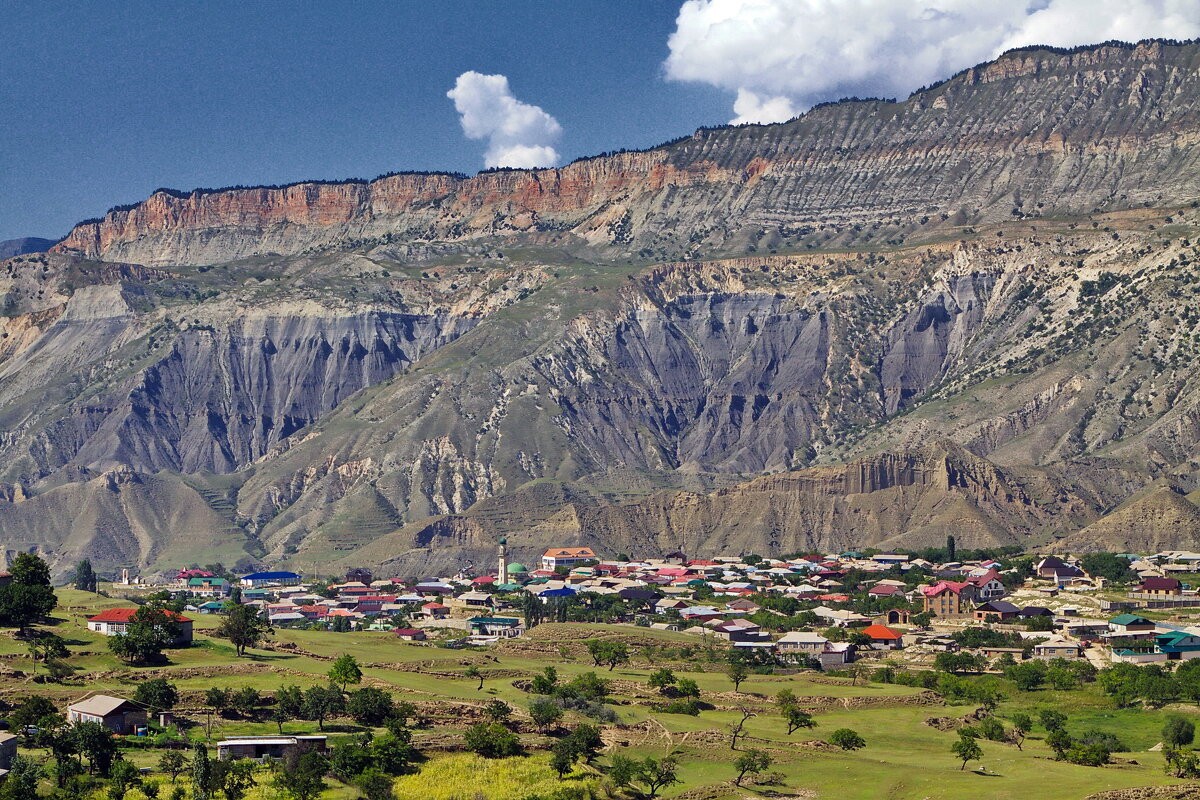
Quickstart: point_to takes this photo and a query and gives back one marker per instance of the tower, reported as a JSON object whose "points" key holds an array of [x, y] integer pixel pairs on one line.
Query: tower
{"points": [[502, 570]]}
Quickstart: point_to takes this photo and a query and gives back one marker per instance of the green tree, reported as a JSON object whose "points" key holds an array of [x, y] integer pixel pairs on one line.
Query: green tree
{"points": [[246, 701], [544, 712], [27, 596], [233, 779], [1052, 720], [48, 647], [662, 679], [393, 752], [797, 718], [22, 780], [473, 673], [847, 739], [1060, 742], [563, 756], [750, 762], [966, 748], [546, 682], [172, 762], [686, 687], [1027, 675], [1178, 731], [202, 773], [375, 784], [243, 627], [1022, 725], [345, 671], [737, 673], [156, 694], [85, 577], [492, 740], [305, 778], [323, 702], [96, 743], [370, 706], [349, 757], [497, 710], [31, 711]]}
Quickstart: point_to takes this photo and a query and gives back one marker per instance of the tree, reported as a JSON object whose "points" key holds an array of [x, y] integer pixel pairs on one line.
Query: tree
{"points": [[172, 762], [492, 740], [1109, 566], [233, 779], [473, 672], [322, 702], [349, 757], [752, 761], [31, 711], [201, 772], [847, 739], [156, 694], [662, 679], [243, 627], [85, 577], [22, 779], [609, 653], [563, 756], [736, 729], [797, 718], [246, 700], [1027, 675], [96, 743], [345, 671], [305, 778], [1178, 731], [686, 687], [290, 702], [544, 683], [737, 673], [370, 706], [1052, 720], [967, 749], [48, 647], [657, 774], [1061, 678], [951, 548], [1022, 725], [544, 712], [27, 596], [375, 784], [497, 710], [1059, 741]]}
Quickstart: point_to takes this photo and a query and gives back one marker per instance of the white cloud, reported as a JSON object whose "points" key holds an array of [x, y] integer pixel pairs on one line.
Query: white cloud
{"points": [[518, 134], [782, 56]]}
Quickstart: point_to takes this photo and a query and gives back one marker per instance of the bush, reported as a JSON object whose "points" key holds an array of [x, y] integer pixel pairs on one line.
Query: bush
{"points": [[684, 705], [492, 740], [847, 739]]}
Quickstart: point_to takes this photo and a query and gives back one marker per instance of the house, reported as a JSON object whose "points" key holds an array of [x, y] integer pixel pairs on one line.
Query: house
{"points": [[1055, 569], [801, 642], [268, 747], [1028, 612], [435, 611], [1056, 647], [271, 579], [475, 601], [1131, 623], [1178, 645], [740, 630], [988, 586], [883, 637], [410, 634], [885, 590], [116, 621], [210, 586], [996, 608], [568, 557], [8, 750], [117, 714], [495, 626], [696, 614], [1159, 587], [949, 599], [835, 654]]}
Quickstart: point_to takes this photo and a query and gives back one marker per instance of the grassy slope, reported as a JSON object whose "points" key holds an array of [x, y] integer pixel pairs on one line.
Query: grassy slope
{"points": [[904, 758]]}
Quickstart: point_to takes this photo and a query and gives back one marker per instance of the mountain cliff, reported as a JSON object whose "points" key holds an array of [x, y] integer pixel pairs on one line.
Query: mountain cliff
{"points": [[971, 312]]}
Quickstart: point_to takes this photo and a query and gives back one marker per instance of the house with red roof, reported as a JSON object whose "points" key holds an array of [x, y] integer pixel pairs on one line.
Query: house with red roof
{"points": [[949, 599], [883, 637], [435, 611], [116, 621], [988, 586]]}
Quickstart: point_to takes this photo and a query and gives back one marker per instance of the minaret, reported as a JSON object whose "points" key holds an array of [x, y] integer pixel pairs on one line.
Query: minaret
{"points": [[502, 573]]}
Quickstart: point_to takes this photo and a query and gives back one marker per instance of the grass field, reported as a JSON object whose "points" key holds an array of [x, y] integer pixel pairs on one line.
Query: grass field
{"points": [[904, 757]]}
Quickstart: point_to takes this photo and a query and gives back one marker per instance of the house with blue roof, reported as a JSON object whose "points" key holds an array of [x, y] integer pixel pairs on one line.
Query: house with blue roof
{"points": [[271, 579]]}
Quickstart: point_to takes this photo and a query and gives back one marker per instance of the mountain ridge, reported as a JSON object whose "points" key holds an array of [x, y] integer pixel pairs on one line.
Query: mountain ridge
{"points": [[758, 338]]}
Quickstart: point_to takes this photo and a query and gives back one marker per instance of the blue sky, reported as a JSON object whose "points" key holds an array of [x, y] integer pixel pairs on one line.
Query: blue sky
{"points": [[103, 102]]}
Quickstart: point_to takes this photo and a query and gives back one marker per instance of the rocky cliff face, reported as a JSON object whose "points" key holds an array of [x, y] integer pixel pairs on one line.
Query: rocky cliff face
{"points": [[1035, 133], [396, 373]]}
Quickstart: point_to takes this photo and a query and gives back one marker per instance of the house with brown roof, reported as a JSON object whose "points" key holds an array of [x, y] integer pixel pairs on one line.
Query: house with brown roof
{"points": [[568, 557], [115, 713], [1160, 587]]}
